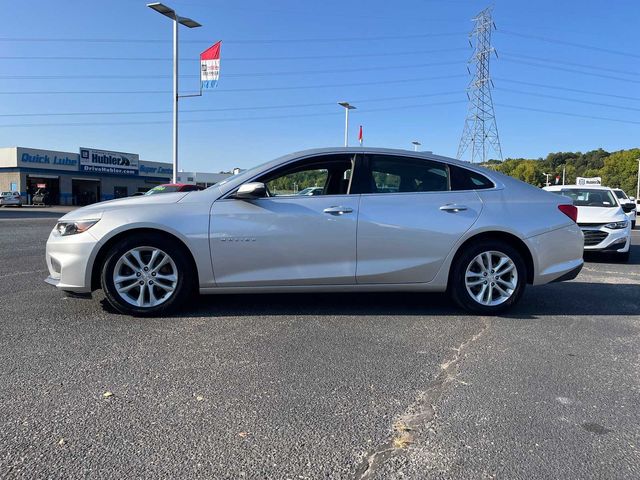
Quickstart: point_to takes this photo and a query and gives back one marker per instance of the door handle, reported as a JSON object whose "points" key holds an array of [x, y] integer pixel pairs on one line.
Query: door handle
{"points": [[338, 210], [453, 207]]}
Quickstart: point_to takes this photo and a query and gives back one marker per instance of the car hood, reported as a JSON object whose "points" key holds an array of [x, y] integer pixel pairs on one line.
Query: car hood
{"points": [[600, 214], [97, 209]]}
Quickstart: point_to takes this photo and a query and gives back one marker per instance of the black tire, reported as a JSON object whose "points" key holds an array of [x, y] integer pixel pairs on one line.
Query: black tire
{"points": [[457, 285], [623, 256], [186, 277], [633, 225]]}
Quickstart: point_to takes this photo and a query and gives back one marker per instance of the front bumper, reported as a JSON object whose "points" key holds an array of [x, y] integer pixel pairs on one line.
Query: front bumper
{"points": [[601, 239], [69, 260]]}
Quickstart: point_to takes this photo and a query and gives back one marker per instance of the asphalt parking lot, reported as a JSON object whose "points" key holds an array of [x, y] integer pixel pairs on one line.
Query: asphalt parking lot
{"points": [[317, 386]]}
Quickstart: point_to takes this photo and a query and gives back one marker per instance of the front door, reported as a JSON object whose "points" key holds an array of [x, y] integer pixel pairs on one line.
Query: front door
{"points": [[410, 220], [302, 233]]}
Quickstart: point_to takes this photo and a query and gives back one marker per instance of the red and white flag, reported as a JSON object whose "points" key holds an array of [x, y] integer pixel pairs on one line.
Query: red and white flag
{"points": [[360, 135], [210, 66]]}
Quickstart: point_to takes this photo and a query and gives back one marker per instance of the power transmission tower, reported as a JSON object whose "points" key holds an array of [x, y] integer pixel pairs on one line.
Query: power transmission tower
{"points": [[480, 130]]}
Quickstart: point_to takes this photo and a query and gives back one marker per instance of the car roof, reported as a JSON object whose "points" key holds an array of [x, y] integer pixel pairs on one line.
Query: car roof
{"points": [[565, 187]]}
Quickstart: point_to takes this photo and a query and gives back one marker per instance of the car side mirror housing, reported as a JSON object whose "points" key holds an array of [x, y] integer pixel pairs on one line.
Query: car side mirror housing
{"points": [[251, 190], [628, 207], [633, 199]]}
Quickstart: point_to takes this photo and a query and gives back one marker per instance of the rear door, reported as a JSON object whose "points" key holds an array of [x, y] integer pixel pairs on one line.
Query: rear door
{"points": [[410, 219]]}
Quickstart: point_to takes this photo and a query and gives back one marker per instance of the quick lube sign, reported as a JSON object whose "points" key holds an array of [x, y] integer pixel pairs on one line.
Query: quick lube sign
{"points": [[103, 161], [48, 159]]}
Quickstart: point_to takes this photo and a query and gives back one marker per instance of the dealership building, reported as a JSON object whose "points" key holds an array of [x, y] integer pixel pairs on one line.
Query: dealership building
{"points": [[87, 176]]}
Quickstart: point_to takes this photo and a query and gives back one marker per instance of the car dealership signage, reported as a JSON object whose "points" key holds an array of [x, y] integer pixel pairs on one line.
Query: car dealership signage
{"points": [[588, 181], [46, 159], [103, 161]]}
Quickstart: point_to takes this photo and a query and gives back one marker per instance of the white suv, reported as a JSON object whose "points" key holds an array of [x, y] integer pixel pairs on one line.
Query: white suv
{"points": [[604, 222], [624, 200]]}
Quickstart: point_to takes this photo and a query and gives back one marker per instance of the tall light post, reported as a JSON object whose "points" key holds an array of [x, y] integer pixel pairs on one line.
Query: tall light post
{"points": [[547, 178], [187, 22], [347, 106], [638, 186], [416, 144]]}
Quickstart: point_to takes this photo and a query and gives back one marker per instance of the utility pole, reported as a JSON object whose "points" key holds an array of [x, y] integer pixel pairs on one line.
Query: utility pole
{"points": [[547, 179], [480, 130], [564, 171], [347, 106]]}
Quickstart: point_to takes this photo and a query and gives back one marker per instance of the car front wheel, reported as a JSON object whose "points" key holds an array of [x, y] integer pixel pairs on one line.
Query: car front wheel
{"points": [[146, 276], [488, 278]]}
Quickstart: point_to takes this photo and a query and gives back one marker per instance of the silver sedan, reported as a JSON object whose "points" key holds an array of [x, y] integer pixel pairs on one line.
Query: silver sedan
{"points": [[386, 220]]}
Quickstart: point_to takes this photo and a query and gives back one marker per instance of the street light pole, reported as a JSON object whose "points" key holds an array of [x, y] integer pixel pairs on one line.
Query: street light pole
{"points": [[638, 186], [547, 178], [175, 100], [347, 106], [187, 22], [416, 144]]}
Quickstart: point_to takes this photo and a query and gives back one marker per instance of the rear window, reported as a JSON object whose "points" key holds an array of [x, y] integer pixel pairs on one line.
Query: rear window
{"points": [[463, 179], [620, 194]]}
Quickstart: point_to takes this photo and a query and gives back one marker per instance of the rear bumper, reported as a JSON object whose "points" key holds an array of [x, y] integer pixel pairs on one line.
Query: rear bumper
{"points": [[570, 275], [556, 253]]}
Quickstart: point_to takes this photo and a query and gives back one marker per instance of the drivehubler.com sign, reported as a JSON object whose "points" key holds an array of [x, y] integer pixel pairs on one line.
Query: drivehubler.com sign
{"points": [[102, 161]]}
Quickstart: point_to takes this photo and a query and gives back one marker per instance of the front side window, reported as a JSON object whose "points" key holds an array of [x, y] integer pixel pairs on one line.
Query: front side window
{"points": [[391, 174], [326, 175], [586, 197]]}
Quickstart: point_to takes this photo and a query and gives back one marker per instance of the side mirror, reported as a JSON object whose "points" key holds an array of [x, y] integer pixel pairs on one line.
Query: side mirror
{"points": [[633, 199], [251, 190], [628, 207]]}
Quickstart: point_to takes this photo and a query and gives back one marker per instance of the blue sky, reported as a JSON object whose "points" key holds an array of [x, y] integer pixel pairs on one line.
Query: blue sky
{"points": [[331, 51]]}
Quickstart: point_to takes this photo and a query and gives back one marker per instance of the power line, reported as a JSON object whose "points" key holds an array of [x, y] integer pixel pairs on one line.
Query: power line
{"points": [[575, 100], [567, 89], [571, 44], [565, 62], [233, 59], [232, 41], [258, 89], [599, 75], [568, 114], [232, 119], [229, 109], [239, 75]]}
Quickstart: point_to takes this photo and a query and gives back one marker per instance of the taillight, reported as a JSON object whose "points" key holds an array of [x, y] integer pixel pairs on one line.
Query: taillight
{"points": [[570, 211]]}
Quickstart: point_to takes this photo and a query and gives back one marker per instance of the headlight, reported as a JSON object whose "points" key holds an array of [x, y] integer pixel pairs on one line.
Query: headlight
{"points": [[73, 227], [617, 225]]}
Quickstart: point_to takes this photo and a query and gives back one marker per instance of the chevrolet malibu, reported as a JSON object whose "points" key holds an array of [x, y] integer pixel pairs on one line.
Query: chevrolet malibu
{"points": [[386, 220]]}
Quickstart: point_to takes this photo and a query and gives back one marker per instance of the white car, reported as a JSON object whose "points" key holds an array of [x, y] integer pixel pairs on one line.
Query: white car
{"points": [[603, 220], [387, 220], [10, 198], [624, 200]]}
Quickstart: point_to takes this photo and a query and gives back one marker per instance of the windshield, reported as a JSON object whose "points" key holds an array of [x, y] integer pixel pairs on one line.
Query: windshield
{"points": [[6, 194], [162, 189], [586, 197], [620, 194]]}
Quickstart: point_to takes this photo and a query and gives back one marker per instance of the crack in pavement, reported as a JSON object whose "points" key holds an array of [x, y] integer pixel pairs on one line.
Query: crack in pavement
{"points": [[419, 415]]}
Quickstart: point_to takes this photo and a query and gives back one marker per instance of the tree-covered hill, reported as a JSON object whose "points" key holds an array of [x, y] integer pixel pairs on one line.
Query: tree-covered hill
{"points": [[617, 169]]}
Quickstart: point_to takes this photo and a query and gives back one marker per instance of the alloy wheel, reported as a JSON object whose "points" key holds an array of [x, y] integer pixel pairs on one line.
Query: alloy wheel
{"points": [[145, 277], [491, 278]]}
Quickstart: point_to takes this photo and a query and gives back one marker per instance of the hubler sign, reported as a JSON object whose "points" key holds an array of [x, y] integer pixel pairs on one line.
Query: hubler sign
{"points": [[588, 181], [103, 161]]}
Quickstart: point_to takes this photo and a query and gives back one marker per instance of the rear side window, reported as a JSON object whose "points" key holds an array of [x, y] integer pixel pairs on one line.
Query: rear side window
{"points": [[391, 174], [463, 179]]}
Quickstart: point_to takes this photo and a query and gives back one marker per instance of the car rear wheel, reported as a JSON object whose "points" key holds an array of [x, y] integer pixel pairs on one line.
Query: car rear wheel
{"points": [[488, 278], [146, 276]]}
